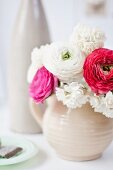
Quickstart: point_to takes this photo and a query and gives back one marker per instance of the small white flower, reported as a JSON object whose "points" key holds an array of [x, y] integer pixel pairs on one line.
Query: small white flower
{"points": [[108, 105], [103, 104], [60, 94], [87, 39], [36, 61], [72, 95], [108, 100], [108, 112], [95, 101], [64, 61]]}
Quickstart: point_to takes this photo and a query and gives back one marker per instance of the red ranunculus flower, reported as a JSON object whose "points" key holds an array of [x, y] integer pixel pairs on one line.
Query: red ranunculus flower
{"points": [[98, 70], [43, 85]]}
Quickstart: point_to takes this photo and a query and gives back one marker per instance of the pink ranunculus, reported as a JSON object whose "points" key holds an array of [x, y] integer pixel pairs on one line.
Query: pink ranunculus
{"points": [[98, 70], [43, 85]]}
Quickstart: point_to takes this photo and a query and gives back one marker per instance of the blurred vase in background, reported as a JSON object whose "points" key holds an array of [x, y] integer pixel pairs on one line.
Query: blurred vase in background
{"points": [[96, 13], [30, 30], [96, 7], [1, 88], [2, 65]]}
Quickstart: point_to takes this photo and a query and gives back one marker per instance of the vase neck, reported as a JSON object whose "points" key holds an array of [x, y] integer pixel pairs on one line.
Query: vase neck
{"points": [[30, 2], [31, 5]]}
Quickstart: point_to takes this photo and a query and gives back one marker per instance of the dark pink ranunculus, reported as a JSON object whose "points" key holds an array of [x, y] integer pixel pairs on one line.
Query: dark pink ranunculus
{"points": [[43, 85], [98, 70]]}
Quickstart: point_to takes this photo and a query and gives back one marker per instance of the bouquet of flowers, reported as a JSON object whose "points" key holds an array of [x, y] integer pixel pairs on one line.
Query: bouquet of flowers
{"points": [[77, 71]]}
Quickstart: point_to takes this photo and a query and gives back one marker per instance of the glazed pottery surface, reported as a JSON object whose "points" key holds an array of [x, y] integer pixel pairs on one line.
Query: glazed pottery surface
{"points": [[79, 134]]}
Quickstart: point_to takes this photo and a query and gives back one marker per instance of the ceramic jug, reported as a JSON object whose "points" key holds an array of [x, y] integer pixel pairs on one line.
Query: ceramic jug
{"points": [[78, 135], [30, 30]]}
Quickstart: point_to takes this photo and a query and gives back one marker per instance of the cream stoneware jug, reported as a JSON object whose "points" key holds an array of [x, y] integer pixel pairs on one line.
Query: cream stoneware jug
{"points": [[78, 135]]}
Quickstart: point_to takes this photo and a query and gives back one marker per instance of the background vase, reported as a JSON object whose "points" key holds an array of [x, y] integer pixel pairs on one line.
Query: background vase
{"points": [[30, 30], [79, 135]]}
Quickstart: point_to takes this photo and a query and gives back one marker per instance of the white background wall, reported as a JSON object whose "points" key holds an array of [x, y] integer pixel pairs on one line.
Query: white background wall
{"points": [[62, 15]]}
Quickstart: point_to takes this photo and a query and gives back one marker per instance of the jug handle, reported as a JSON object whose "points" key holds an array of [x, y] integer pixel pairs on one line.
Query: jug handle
{"points": [[36, 112]]}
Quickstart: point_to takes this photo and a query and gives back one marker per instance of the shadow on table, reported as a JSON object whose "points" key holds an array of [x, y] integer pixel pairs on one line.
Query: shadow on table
{"points": [[33, 163]]}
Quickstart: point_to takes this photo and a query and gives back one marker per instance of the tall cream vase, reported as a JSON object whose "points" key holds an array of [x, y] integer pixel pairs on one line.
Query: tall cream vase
{"points": [[79, 135], [30, 30]]}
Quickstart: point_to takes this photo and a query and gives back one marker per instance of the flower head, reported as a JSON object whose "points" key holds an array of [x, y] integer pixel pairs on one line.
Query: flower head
{"points": [[64, 61], [36, 61], [87, 39], [72, 95], [108, 100], [43, 85], [98, 71], [108, 105], [103, 104]]}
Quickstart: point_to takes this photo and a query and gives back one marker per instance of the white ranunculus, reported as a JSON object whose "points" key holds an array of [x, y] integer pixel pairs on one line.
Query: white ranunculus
{"points": [[64, 61], [87, 38], [36, 61], [72, 95]]}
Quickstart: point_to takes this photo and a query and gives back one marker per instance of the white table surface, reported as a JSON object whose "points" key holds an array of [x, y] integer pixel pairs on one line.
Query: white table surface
{"points": [[47, 158]]}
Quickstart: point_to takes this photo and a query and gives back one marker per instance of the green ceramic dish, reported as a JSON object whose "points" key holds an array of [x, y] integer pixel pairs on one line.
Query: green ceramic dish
{"points": [[29, 149]]}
